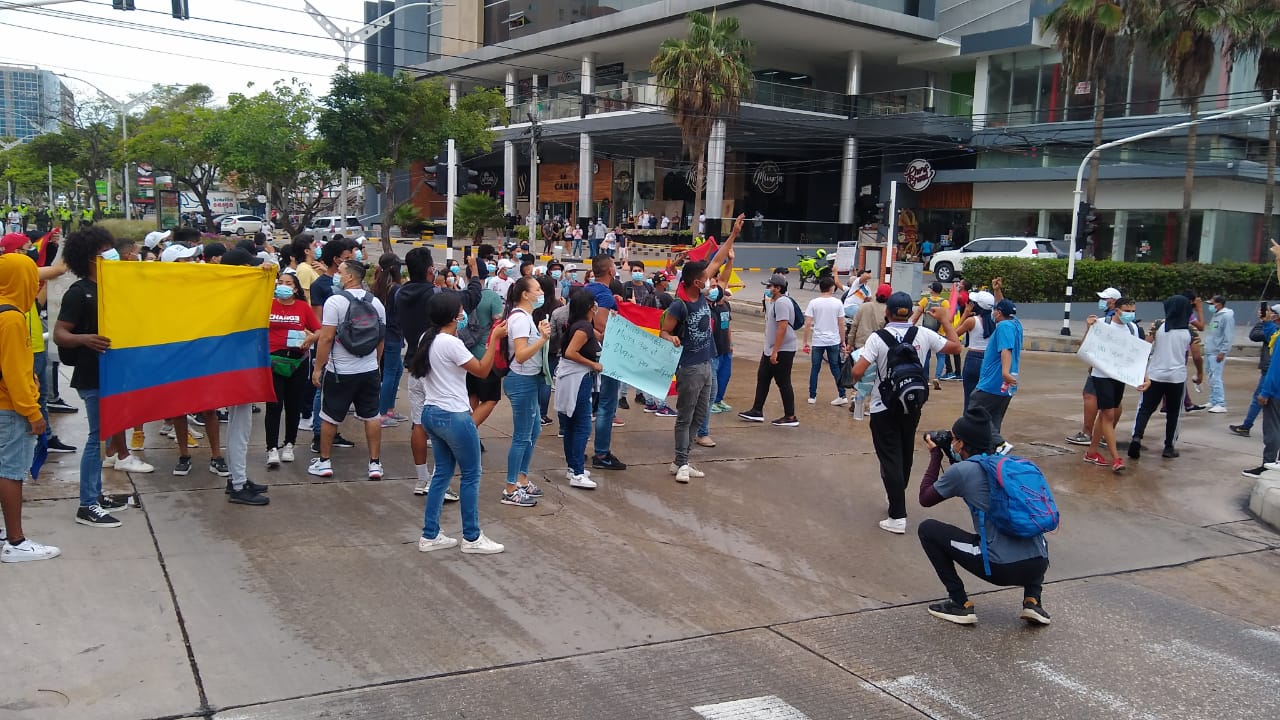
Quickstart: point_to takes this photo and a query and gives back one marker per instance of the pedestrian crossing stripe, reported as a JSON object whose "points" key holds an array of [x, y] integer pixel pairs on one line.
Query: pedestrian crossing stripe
{"points": [[767, 707]]}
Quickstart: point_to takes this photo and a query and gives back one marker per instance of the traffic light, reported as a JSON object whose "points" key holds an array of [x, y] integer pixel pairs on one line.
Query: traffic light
{"points": [[468, 180], [181, 9], [1088, 222], [122, 4], [441, 184]]}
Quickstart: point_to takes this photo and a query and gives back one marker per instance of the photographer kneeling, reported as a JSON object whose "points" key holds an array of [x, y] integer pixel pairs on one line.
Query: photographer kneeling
{"points": [[1009, 561]]}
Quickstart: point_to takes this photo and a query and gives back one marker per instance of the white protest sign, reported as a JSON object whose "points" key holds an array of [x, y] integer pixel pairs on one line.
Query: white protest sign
{"points": [[638, 358], [1116, 352]]}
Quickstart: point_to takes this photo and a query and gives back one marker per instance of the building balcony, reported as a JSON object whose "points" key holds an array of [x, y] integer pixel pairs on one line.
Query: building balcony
{"points": [[915, 100]]}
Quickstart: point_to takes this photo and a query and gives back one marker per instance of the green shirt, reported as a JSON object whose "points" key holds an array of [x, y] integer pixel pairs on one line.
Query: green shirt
{"points": [[490, 307]]}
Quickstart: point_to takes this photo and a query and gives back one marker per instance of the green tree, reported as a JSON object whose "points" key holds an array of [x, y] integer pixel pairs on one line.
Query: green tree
{"points": [[705, 75], [23, 166], [269, 142], [405, 216], [375, 125], [95, 136], [475, 213], [180, 137], [1253, 34]]}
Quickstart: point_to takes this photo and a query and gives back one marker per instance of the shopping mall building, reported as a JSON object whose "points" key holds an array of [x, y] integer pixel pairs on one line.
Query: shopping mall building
{"points": [[847, 95]]}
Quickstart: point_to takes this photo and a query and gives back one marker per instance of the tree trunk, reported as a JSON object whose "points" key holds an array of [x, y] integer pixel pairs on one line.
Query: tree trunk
{"points": [[1099, 116], [1269, 194], [1188, 183], [388, 209]]}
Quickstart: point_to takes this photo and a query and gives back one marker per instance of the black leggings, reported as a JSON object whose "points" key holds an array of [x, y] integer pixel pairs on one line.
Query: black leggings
{"points": [[1171, 394], [290, 392], [893, 434], [937, 539], [780, 374]]}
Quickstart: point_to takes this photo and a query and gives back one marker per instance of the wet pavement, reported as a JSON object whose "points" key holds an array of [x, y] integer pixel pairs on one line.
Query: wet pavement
{"points": [[763, 591]]}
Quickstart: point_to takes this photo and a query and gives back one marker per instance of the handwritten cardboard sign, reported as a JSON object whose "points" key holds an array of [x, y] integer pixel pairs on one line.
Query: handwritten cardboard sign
{"points": [[1115, 352], [638, 358]]}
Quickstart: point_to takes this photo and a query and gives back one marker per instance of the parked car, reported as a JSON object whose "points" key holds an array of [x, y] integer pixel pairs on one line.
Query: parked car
{"points": [[949, 264], [328, 226], [243, 225]]}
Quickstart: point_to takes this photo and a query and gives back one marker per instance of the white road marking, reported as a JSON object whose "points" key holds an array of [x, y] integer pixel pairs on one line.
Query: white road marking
{"points": [[1100, 697], [1200, 657], [767, 707], [918, 690], [1272, 635]]}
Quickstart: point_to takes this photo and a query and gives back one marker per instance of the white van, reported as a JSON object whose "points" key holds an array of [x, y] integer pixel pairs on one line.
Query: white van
{"points": [[324, 228]]}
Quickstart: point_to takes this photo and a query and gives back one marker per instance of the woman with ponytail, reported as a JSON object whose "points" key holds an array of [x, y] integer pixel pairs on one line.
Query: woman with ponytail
{"points": [[386, 285], [977, 325], [526, 358]]}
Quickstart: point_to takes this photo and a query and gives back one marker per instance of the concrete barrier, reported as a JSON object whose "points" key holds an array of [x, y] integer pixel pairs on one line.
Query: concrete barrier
{"points": [[1264, 501]]}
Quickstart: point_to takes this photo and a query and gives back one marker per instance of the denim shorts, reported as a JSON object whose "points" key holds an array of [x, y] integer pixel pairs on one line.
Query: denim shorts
{"points": [[17, 446]]}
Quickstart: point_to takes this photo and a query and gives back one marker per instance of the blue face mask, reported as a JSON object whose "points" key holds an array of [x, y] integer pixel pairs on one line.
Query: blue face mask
{"points": [[111, 254], [491, 267], [1128, 316], [555, 274], [1102, 304], [284, 292], [713, 294], [462, 321], [637, 276], [649, 283], [537, 302], [955, 456], [358, 255], [573, 277], [768, 294]]}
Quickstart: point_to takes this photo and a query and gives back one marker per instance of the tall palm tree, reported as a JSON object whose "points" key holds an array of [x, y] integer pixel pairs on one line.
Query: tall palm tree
{"points": [[705, 75], [1253, 33], [1181, 33]]}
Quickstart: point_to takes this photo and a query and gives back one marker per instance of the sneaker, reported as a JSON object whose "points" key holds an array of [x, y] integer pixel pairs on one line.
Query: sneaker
{"points": [[1169, 452], [545, 421], [482, 546], [705, 441], [58, 405], [387, 421], [650, 408], [57, 446], [304, 423], [582, 481], [1135, 449], [183, 467], [134, 464], [137, 439], [397, 416], [1117, 467], [897, 526], [375, 470], [315, 446], [218, 466], [194, 419], [248, 485], [1273, 466], [108, 462], [113, 502], [339, 441], [936, 385], [665, 411], [320, 468], [619, 422], [786, 422], [1005, 448], [95, 516], [752, 416], [1096, 459], [1217, 409], [532, 490], [813, 401], [840, 401], [568, 473], [450, 495], [256, 409], [273, 458], [717, 408], [519, 498], [623, 404], [223, 416], [248, 496], [286, 453], [951, 612], [693, 471], [1241, 430], [439, 542], [724, 406], [639, 397], [608, 462], [1255, 473], [1080, 439], [1034, 612], [1194, 408], [420, 486], [27, 551]]}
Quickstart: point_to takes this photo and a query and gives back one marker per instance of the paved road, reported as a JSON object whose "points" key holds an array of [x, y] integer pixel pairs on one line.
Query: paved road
{"points": [[763, 591]]}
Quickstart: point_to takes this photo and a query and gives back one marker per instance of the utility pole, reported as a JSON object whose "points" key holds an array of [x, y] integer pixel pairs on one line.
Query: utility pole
{"points": [[535, 134]]}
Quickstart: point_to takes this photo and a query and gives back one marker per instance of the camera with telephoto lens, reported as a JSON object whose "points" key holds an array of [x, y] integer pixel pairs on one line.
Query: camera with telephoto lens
{"points": [[941, 440]]}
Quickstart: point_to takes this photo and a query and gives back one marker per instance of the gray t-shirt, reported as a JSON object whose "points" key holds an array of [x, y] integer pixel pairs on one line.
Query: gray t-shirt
{"points": [[968, 480], [780, 309]]}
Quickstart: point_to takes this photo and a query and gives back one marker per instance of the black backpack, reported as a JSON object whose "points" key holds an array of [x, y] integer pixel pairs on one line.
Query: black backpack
{"points": [[903, 386], [361, 330]]}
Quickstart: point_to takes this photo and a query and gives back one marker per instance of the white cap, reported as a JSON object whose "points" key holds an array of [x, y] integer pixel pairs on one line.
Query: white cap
{"points": [[505, 264], [178, 252], [983, 299], [155, 237], [1276, 308], [1110, 294]]}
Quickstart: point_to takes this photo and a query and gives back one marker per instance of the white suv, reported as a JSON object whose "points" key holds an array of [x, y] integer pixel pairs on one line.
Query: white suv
{"points": [[330, 226], [949, 264]]}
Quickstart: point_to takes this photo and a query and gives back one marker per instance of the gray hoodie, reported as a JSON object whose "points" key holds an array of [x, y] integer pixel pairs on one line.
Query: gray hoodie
{"points": [[1222, 332]]}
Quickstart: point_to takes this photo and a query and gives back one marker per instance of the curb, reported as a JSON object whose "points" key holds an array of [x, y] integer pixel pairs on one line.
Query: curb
{"points": [[1264, 501]]}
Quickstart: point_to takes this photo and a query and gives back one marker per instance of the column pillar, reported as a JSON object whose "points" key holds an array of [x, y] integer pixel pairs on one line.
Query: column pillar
{"points": [[1120, 235], [586, 162], [715, 180], [588, 84], [1209, 234], [848, 189], [509, 189], [1042, 224], [930, 100], [981, 85]]}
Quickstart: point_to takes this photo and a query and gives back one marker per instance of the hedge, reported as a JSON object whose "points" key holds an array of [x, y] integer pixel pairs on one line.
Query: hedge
{"points": [[1026, 280]]}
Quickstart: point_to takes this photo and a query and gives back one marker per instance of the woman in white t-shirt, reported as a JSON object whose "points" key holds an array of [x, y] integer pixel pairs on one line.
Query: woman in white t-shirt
{"points": [[977, 325], [440, 365], [1168, 375], [526, 358]]}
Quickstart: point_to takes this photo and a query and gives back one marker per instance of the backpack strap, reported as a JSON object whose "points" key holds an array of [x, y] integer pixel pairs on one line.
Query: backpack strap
{"points": [[887, 337], [911, 334]]}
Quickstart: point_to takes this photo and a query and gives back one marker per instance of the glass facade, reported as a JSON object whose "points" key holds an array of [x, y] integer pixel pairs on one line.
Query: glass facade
{"points": [[22, 114]]}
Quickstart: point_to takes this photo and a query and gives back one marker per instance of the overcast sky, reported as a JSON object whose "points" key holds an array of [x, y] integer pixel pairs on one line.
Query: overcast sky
{"points": [[85, 39]]}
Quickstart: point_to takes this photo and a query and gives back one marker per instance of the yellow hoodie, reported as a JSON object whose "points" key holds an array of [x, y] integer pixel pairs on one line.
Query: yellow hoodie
{"points": [[18, 389]]}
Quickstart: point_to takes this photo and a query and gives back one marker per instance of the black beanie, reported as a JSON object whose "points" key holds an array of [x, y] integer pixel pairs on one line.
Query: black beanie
{"points": [[974, 430]]}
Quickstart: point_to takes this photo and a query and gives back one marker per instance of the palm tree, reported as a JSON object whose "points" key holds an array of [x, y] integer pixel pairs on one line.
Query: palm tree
{"points": [[705, 75], [1181, 34], [474, 213], [1253, 33]]}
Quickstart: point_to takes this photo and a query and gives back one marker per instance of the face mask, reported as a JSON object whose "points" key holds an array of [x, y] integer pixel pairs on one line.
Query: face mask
{"points": [[284, 292], [1102, 304], [649, 283], [1128, 316], [491, 267], [637, 276], [358, 255], [555, 274], [537, 302], [573, 277], [768, 294], [111, 254], [462, 321], [714, 294], [955, 456]]}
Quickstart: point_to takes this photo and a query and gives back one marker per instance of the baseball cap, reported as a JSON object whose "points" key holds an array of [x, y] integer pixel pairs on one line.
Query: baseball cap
{"points": [[884, 291], [1276, 308], [240, 256], [983, 299], [661, 276], [1007, 308], [155, 237], [1110, 294], [505, 264], [777, 280], [900, 305], [14, 242], [178, 252]]}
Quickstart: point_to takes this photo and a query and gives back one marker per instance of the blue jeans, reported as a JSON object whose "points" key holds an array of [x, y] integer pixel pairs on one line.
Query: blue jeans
{"points": [[523, 392], [1254, 407], [605, 412], [1217, 393], [970, 372], [594, 245], [723, 368], [91, 456], [454, 441], [544, 401], [578, 428], [816, 355], [392, 371], [42, 443]]}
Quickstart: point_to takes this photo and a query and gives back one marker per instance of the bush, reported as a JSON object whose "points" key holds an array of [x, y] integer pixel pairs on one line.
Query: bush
{"points": [[128, 229], [1027, 280]]}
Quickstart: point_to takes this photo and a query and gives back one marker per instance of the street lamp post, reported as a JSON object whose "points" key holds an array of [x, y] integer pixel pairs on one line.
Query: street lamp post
{"points": [[123, 108]]}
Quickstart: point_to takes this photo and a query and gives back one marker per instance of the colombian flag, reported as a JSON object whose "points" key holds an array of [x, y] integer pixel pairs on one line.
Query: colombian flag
{"points": [[184, 337], [647, 319]]}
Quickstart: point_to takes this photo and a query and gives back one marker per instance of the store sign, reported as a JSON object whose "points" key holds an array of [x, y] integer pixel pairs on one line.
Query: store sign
{"points": [[488, 179], [919, 175], [612, 71], [1084, 88], [767, 177]]}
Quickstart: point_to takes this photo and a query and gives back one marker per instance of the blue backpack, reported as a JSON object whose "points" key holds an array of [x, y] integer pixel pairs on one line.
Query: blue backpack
{"points": [[1021, 503]]}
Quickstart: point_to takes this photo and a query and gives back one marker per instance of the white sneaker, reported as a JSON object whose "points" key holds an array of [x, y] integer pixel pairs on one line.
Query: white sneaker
{"points": [[682, 474], [375, 470], [135, 464], [582, 481], [1217, 409], [482, 546], [689, 470], [440, 542], [568, 474], [27, 551], [840, 402], [286, 453], [304, 423], [108, 462], [813, 401], [1273, 466], [320, 468], [896, 526], [273, 458], [167, 429], [1005, 449], [420, 487]]}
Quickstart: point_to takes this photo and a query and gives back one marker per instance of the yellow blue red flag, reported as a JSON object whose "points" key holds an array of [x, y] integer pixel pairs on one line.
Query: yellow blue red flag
{"points": [[184, 338]]}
